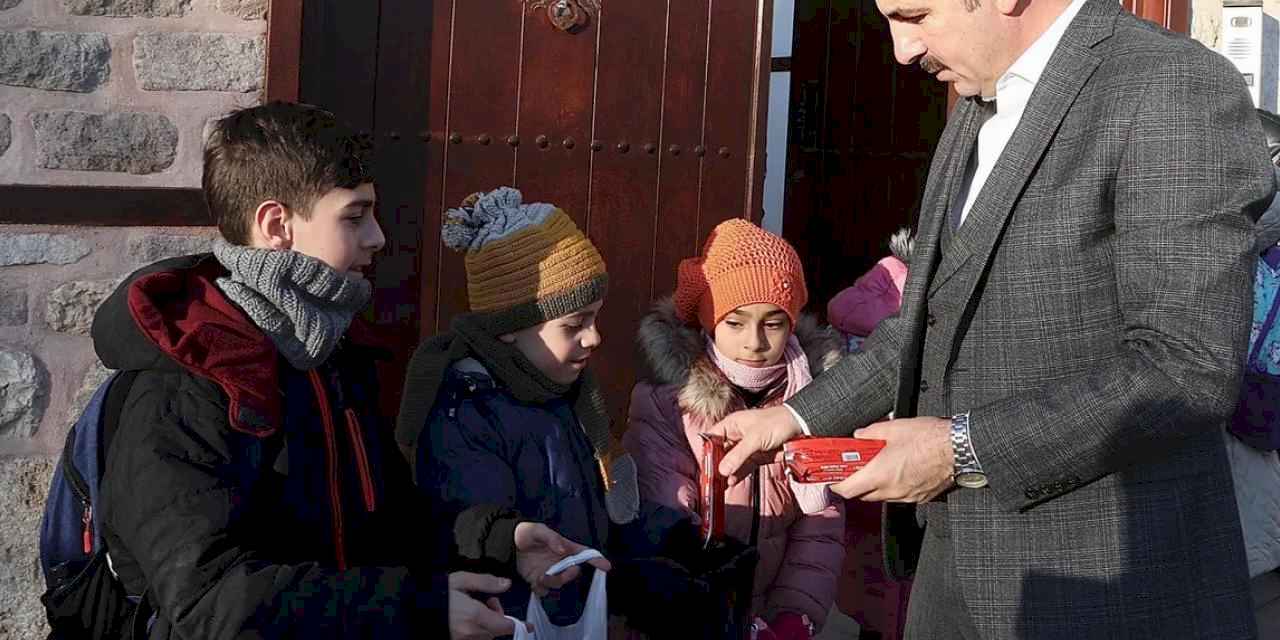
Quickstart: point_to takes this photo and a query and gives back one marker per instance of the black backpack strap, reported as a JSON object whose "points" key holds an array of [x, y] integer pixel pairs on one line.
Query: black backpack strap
{"points": [[112, 406]]}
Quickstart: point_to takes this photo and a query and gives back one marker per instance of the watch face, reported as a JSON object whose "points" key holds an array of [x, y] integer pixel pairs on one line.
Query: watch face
{"points": [[971, 480]]}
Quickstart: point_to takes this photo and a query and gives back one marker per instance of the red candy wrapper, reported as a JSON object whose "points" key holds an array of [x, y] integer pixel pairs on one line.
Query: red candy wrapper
{"points": [[813, 460], [712, 487]]}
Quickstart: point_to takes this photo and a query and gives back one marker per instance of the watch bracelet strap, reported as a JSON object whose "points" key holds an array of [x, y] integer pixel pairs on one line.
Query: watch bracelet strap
{"points": [[965, 458]]}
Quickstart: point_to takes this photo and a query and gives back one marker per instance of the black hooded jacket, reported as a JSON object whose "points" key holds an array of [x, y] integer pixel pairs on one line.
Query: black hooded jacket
{"points": [[250, 499]]}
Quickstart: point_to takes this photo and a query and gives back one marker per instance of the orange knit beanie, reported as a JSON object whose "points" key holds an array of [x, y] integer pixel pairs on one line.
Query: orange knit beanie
{"points": [[741, 264]]}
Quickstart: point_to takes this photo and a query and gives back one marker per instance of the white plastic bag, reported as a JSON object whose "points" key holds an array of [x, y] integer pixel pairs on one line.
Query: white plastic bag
{"points": [[594, 623]]}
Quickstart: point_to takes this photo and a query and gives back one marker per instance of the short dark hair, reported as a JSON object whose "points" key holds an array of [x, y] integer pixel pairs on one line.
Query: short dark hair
{"points": [[292, 153]]}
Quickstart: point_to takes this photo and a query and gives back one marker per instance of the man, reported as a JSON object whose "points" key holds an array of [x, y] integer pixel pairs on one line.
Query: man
{"points": [[1071, 337]]}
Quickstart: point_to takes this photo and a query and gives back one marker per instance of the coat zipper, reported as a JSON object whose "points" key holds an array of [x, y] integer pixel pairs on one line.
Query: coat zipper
{"points": [[87, 521], [362, 460], [81, 490], [331, 456]]}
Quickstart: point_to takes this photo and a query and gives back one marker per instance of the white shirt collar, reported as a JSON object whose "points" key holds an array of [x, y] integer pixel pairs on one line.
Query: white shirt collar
{"points": [[1029, 66]]}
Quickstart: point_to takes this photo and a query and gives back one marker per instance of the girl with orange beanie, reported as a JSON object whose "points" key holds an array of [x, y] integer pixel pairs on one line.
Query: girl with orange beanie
{"points": [[733, 337]]}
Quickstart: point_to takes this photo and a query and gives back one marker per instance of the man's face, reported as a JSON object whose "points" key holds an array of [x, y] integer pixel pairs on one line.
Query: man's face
{"points": [[956, 43], [342, 231], [560, 348]]}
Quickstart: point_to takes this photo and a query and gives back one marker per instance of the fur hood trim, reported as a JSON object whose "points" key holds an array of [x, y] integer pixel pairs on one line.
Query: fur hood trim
{"points": [[674, 354]]}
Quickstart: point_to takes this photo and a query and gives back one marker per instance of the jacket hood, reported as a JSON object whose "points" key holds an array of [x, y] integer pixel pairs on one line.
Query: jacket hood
{"points": [[171, 316], [674, 354]]}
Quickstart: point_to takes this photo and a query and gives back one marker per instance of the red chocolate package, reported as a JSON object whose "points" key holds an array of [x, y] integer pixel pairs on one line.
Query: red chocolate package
{"points": [[711, 489], [813, 460]]}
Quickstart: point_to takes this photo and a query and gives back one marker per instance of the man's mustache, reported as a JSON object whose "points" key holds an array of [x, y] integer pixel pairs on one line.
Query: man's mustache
{"points": [[931, 65]]}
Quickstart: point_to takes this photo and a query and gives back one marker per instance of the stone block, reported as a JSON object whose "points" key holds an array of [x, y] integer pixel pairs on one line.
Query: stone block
{"points": [[199, 62], [6, 133], [138, 143], [54, 61], [71, 306], [26, 483], [244, 9], [153, 248], [40, 248], [21, 385], [13, 306], [128, 8]]}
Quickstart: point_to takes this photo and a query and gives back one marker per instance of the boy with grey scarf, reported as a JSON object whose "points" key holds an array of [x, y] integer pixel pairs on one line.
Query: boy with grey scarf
{"points": [[254, 487]]}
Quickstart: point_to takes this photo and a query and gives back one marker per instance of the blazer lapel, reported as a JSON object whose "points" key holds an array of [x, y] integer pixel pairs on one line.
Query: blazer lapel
{"points": [[944, 178], [949, 158], [1067, 73]]}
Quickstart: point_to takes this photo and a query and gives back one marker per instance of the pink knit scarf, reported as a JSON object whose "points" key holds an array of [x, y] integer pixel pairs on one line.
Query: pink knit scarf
{"points": [[795, 367], [810, 498]]}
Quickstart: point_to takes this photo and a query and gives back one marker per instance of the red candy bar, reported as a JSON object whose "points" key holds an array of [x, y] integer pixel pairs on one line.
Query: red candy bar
{"points": [[812, 460], [712, 489]]}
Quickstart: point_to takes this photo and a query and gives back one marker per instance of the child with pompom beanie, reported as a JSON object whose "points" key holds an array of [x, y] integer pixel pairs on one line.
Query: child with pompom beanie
{"points": [[503, 409]]}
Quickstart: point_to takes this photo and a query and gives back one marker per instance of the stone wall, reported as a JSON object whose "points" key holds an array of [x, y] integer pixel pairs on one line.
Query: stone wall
{"points": [[118, 92], [52, 279], [92, 92]]}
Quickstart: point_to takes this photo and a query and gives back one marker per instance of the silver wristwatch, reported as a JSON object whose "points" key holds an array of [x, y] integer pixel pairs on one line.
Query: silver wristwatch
{"points": [[966, 472]]}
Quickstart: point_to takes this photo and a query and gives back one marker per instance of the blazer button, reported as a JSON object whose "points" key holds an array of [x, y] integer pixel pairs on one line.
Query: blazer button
{"points": [[924, 386], [931, 320]]}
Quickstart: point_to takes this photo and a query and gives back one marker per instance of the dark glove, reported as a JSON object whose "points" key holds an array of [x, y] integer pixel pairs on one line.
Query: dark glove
{"points": [[658, 597]]}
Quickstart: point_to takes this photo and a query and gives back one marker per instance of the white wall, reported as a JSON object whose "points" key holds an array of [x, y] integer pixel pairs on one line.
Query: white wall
{"points": [[1206, 27], [775, 179]]}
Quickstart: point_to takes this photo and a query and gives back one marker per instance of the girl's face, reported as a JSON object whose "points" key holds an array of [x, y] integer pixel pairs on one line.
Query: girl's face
{"points": [[754, 335]]}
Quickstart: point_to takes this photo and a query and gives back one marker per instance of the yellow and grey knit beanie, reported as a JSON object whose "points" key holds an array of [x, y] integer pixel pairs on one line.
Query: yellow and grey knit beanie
{"points": [[526, 263]]}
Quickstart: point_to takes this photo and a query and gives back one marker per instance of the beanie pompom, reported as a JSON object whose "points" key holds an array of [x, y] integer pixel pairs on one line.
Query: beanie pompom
{"points": [[691, 284], [481, 215]]}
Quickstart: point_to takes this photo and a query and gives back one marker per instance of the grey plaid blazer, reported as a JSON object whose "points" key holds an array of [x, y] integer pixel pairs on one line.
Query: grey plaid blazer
{"points": [[1091, 314]]}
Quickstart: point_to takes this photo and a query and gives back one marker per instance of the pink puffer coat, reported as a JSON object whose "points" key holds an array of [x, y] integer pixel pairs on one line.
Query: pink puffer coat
{"points": [[800, 555]]}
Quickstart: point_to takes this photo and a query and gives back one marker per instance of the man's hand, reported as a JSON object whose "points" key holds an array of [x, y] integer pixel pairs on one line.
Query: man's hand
{"points": [[915, 465], [469, 619], [538, 547], [758, 435]]}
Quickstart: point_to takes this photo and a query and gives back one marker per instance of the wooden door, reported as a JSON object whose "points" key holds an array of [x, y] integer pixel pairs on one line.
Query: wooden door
{"points": [[1174, 15], [863, 129], [646, 127]]}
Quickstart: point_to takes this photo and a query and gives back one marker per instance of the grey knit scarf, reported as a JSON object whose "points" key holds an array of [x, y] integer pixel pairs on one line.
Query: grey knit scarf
{"points": [[300, 302]]}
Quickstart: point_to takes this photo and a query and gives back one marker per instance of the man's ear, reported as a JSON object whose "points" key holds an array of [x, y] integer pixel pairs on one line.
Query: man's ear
{"points": [[509, 338], [272, 226], [1011, 7]]}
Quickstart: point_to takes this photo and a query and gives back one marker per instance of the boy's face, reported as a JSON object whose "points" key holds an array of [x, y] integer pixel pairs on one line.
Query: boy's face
{"points": [[754, 335], [560, 348], [342, 231]]}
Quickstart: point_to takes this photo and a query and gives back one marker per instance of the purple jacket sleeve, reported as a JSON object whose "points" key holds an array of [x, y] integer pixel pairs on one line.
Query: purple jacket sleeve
{"points": [[859, 308], [666, 468], [811, 567]]}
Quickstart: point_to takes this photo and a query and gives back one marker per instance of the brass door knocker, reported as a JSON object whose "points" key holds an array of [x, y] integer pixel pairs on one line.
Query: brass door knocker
{"points": [[570, 16]]}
